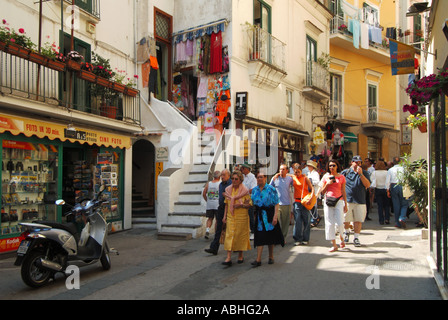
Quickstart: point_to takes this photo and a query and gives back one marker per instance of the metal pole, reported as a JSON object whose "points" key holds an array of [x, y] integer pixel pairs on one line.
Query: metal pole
{"points": [[39, 48]]}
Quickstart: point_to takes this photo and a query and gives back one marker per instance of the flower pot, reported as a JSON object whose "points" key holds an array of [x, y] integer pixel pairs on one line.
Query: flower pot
{"points": [[119, 87], [86, 75], [17, 50], [38, 58], [423, 127], [104, 82], [56, 65], [130, 91], [73, 65], [108, 111], [2, 45]]}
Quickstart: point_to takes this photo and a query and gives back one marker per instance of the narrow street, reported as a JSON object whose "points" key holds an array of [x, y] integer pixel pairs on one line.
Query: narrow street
{"points": [[392, 262]]}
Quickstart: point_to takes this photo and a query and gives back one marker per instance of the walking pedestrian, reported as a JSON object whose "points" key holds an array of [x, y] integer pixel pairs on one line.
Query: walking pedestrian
{"points": [[282, 182], [314, 177], [211, 196], [335, 203], [249, 182], [378, 187], [225, 182], [302, 187], [357, 181], [267, 229], [236, 218], [395, 191]]}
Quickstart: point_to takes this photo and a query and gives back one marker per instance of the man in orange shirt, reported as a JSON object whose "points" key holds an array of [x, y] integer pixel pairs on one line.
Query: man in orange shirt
{"points": [[302, 186]]}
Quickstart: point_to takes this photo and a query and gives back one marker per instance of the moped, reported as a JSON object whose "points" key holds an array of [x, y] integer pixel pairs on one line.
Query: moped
{"points": [[50, 247]]}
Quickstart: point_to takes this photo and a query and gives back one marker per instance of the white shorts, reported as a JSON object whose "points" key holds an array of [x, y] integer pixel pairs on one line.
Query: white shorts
{"points": [[356, 212]]}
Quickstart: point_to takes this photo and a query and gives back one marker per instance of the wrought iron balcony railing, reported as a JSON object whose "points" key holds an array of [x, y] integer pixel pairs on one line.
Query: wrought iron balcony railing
{"points": [[317, 76], [265, 47], [22, 77]]}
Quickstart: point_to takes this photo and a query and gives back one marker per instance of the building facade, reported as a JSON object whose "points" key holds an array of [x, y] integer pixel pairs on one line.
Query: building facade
{"points": [[365, 98]]}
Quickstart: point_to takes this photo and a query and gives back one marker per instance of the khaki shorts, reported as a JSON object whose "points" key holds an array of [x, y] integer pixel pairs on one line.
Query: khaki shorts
{"points": [[356, 212]]}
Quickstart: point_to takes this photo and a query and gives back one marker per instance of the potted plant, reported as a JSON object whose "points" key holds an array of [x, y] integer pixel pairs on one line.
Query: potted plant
{"points": [[103, 88], [343, 28], [427, 88], [15, 43], [74, 60], [418, 121], [415, 177]]}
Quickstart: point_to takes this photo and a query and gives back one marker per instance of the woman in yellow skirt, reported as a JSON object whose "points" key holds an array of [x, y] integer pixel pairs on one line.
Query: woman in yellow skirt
{"points": [[236, 218]]}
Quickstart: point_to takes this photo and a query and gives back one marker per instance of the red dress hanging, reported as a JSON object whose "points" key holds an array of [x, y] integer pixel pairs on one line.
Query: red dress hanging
{"points": [[216, 53]]}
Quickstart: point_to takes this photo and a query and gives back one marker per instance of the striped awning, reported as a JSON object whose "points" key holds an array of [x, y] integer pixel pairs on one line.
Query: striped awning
{"points": [[350, 137], [199, 31]]}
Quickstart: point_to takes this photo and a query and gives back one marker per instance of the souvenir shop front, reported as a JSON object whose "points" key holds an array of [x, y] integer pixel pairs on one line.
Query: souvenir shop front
{"points": [[43, 162], [201, 84], [331, 143], [261, 138]]}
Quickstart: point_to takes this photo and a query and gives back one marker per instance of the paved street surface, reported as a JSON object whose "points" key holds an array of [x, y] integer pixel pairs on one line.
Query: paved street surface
{"points": [[391, 264]]}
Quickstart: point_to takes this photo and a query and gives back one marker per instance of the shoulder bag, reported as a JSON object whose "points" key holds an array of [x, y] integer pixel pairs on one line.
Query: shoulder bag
{"points": [[308, 197]]}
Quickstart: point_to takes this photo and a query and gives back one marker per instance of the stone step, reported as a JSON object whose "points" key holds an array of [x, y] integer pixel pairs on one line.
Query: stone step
{"points": [[177, 236]]}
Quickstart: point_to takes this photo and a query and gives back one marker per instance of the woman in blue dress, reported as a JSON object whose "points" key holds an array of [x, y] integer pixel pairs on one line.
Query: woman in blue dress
{"points": [[267, 229]]}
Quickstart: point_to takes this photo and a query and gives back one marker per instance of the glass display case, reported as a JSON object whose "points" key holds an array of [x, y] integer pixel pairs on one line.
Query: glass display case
{"points": [[29, 183]]}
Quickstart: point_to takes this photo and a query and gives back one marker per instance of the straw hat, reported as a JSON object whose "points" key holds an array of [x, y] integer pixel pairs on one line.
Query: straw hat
{"points": [[312, 163]]}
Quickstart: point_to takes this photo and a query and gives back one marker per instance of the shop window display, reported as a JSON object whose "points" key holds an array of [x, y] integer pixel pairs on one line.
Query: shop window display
{"points": [[29, 183]]}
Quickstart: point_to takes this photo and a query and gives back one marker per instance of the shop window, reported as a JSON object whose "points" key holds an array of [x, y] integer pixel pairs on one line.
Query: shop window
{"points": [[85, 170], [29, 183]]}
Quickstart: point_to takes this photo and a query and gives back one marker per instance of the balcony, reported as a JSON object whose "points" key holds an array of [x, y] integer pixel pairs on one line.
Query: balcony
{"points": [[317, 86], [31, 79], [376, 118], [341, 37], [266, 58]]}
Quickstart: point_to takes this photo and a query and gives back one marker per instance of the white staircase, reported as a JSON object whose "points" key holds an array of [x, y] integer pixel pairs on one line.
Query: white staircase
{"points": [[188, 217]]}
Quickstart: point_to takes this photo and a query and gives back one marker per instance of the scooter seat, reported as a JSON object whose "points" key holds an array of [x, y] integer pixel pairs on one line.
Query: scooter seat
{"points": [[69, 227]]}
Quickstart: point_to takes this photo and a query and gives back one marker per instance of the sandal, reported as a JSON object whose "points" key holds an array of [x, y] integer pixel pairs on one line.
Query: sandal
{"points": [[342, 245], [333, 249]]}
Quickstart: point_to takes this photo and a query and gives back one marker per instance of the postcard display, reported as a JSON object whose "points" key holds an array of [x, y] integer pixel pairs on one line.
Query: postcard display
{"points": [[106, 173], [29, 184]]}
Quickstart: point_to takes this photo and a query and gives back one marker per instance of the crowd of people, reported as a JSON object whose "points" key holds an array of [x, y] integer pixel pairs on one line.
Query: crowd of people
{"points": [[246, 206]]}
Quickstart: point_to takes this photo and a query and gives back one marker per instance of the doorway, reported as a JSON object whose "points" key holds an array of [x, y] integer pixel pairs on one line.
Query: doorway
{"points": [[143, 179]]}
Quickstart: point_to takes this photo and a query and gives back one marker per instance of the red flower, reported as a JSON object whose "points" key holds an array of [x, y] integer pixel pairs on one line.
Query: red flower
{"points": [[21, 30]]}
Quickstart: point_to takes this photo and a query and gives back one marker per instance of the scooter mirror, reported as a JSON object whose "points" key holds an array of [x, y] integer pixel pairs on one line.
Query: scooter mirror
{"points": [[60, 202]]}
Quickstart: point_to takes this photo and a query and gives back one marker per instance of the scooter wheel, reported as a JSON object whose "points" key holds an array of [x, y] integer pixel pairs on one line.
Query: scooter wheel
{"points": [[32, 274], [105, 260]]}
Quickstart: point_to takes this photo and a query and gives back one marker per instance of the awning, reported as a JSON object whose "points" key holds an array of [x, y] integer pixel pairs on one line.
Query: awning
{"points": [[29, 127], [350, 137], [196, 32]]}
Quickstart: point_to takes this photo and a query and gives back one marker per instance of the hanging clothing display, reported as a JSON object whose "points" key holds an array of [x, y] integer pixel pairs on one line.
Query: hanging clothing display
{"points": [[216, 53]]}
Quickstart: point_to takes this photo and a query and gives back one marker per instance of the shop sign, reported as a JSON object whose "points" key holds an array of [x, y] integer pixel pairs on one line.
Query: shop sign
{"points": [[401, 57], [241, 104], [162, 154], [41, 129], [10, 244]]}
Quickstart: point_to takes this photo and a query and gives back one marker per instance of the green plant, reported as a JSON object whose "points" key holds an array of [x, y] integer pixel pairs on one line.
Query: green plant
{"points": [[121, 77], [324, 61], [51, 51], [20, 38], [415, 176]]}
